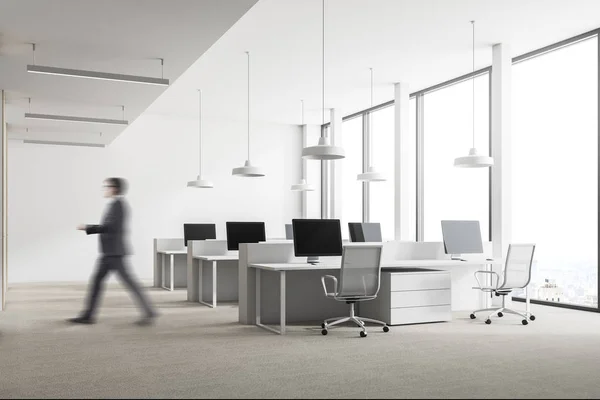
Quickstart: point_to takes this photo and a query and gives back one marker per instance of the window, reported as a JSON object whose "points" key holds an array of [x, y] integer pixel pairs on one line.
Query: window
{"points": [[450, 192], [313, 177], [351, 165], [554, 155]]}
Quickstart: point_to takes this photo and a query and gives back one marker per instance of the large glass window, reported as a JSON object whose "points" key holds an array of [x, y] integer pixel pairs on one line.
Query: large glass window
{"points": [[313, 177], [554, 157], [351, 190], [450, 192]]}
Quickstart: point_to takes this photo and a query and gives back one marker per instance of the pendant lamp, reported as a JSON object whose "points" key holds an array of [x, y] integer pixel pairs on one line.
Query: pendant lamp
{"points": [[473, 160], [371, 175], [199, 182], [248, 170], [324, 150], [303, 186]]}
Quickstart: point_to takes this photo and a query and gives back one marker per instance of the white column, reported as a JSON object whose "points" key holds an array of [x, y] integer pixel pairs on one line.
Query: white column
{"points": [[501, 171], [335, 135], [3, 205], [401, 178], [304, 172]]}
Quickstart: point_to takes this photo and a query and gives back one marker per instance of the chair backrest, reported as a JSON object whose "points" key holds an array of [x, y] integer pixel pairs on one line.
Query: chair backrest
{"points": [[361, 271], [517, 270]]}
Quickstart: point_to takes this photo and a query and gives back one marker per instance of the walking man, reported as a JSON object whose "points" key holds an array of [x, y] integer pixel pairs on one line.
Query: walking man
{"points": [[112, 231]]}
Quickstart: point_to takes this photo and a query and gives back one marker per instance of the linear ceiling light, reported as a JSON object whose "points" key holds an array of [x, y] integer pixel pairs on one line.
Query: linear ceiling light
{"points": [[64, 143], [69, 118], [107, 76]]}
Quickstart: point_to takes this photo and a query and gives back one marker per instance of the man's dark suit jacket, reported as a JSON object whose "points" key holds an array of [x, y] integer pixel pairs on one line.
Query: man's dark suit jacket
{"points": [[112, 229]]}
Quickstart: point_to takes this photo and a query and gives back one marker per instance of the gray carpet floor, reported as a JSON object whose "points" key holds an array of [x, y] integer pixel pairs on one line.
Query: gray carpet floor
{"points": [[196, 352]]}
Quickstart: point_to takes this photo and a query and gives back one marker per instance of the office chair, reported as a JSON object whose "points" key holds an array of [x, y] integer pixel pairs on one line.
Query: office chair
{"points": [[359, 281], [516, 275]]}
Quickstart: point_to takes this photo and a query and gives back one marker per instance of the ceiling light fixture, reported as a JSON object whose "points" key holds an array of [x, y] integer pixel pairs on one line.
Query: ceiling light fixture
{"points": [[71, 118], [248, 170], [79, 73], [474, 160], [199, 182], [303, 186], [323, 150], [371, 175]]}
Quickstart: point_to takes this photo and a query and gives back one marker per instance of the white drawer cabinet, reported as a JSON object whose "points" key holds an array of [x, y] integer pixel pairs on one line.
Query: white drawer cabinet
{"points": [[411, 296]]}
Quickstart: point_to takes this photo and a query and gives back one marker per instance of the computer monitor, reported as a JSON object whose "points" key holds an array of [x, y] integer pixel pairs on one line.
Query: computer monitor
{"points": [[244, 232], [289, 232], [461, 237], [198, 232], [317, 237], [365, 231]]}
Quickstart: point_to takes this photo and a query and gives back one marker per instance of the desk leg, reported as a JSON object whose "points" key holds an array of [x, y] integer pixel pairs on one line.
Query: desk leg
{"points": [[281, 330], [214, 268], [214, 282], [282, 303], [172, 273], [163, 272]]}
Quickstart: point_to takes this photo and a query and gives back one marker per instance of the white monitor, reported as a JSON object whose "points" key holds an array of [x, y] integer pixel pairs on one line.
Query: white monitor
{"points": [[462, 237]]}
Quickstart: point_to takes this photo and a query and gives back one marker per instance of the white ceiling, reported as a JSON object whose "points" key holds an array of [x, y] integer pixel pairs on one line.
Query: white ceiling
{"points": [[421, 42], [120, 36]]}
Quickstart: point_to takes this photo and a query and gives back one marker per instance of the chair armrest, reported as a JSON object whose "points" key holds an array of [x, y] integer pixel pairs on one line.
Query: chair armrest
{"points": [[487, 272], [335, 283]]}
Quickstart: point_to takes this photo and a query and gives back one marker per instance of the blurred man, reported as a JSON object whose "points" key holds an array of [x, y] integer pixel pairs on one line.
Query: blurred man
{"points": [[113, 248]]}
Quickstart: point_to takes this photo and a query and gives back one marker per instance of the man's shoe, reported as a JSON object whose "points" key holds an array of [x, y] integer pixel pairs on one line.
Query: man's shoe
{"points": [[81, 320], [146, 321]]}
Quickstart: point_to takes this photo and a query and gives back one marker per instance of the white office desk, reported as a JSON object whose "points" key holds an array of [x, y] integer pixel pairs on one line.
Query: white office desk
{"points": [[171, 254], [214, 260], [282, 268]]}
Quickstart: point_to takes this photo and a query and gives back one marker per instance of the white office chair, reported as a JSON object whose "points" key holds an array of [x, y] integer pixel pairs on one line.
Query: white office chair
{"points": [[516, 275], [359, 281]]}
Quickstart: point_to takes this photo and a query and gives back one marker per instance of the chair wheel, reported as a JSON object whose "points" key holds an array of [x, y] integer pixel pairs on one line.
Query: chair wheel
{"points": [[472, 316], [532, 317], [488, 321], [524, 322], [323, 325], [324, 332], [500, 314], [363, 334], [386, 328]]}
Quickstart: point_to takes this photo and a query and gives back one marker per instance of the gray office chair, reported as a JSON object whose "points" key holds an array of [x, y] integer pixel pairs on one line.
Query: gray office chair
{"points": [[359, 281], [516, 275]]}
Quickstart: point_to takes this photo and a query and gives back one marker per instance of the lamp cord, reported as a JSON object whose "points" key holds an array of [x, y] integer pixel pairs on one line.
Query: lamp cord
{"points": [[199, 133], [473, 83], [371, 125], [248, 53], [323, 70]]}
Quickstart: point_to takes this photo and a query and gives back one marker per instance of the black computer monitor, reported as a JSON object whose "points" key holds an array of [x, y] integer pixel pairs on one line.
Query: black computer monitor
{"points": [[365, 231], [244, 232], [198, 232], [317, 237], [461, 237]]}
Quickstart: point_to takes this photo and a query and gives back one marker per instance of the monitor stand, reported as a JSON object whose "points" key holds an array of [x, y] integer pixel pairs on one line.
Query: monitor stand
{"points": [[312, 260], [456, 257]]}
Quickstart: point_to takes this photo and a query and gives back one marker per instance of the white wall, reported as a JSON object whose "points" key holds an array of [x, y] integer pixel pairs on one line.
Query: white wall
{"points": [[52, 189]]}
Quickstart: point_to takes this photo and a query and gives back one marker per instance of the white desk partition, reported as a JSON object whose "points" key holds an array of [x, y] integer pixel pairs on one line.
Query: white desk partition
{"points": [[160, 247], [202, 282]]}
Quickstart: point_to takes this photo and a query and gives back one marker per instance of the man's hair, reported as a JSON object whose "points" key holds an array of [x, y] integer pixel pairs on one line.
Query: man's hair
{"points": [[119, 184]]}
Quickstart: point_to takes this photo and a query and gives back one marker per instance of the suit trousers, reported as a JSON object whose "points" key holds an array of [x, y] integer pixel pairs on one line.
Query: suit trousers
{"points": [[107, 264]]}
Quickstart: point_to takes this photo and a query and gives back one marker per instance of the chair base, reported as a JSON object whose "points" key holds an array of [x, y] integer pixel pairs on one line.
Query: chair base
{"points": [[359, 321], [499, 311]]}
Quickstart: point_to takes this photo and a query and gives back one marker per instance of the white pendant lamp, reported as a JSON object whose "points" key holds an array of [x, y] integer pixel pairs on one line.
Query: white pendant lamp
{"points": [[199, 182], [324, 150], [371, 175], [303, 186], [473, 160], [248, 170]]}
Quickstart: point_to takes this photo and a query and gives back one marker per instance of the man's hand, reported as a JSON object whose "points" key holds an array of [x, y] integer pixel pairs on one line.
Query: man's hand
{"points": [[81, 227]]}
